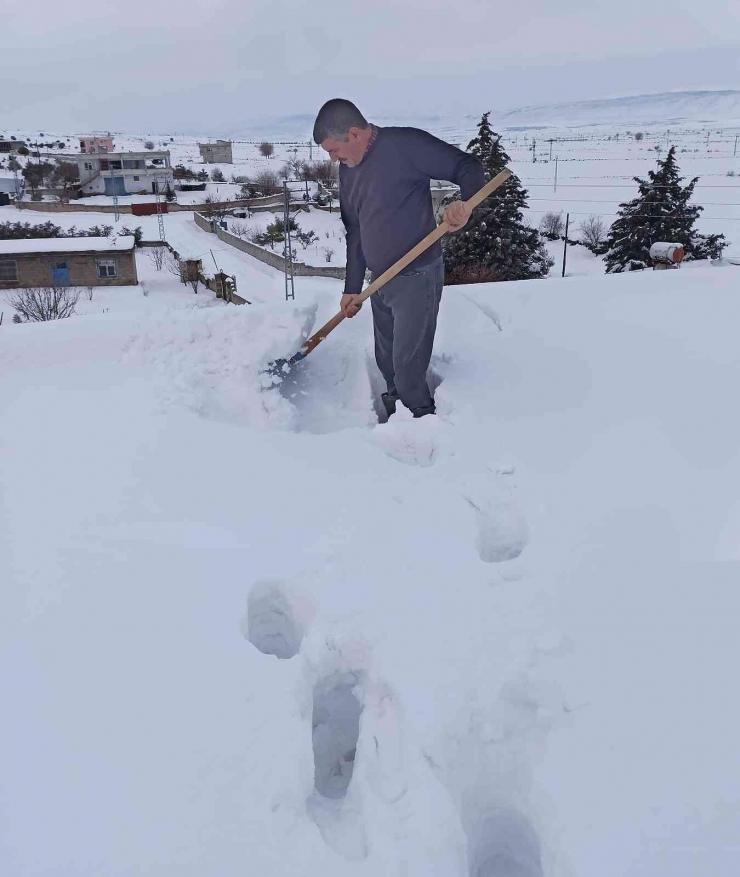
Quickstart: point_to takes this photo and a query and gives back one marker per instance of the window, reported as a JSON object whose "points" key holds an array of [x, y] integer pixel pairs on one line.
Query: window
{"points": [[88, 165], [107, 268], [8, 272], [136, 179]]}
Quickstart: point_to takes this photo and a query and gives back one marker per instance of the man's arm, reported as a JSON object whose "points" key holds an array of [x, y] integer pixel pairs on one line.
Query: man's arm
{"points": [[442, 161], [356, 264]]}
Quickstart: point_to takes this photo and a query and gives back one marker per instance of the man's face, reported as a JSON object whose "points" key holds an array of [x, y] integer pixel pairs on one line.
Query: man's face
{"points": [[349, 151]]}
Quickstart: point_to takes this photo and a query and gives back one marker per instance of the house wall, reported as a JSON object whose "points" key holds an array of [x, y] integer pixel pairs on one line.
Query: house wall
{"points": [[90, 145], [133, 187], [216, 153], [34, 269]]}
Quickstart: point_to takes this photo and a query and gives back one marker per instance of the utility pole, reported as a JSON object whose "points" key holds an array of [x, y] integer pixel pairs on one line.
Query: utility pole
{"points": [[735, 152], [160, 215], [310, 150], [565, 241], [555, 184], [534, 150], [287, 245]]}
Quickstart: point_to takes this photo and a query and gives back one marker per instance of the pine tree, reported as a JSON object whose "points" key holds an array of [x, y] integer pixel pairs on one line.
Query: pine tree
{"points": [[496, 244], [661, 212]]}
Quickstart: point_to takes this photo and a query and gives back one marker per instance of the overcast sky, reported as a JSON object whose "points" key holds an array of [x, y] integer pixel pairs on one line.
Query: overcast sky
{"points": [[221, 66]]}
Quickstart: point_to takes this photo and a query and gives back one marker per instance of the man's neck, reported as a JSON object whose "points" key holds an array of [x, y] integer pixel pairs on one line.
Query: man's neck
{"points": [[371, 136]]}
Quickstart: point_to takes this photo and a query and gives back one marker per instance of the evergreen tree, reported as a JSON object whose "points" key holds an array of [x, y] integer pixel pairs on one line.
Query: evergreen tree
{"points": [[661, 212], [496, 244]]}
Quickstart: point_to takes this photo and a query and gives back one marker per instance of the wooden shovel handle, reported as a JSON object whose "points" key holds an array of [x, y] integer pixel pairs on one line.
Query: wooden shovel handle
{"points": [[398, 266]]}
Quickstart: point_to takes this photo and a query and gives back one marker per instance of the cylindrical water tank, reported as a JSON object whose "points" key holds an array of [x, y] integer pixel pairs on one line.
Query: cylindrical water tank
{"points": [[665, 252]]}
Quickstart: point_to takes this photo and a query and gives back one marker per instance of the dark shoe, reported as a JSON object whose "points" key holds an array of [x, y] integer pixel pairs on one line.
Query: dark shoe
{"points": [[422, 412], [389, 402]]}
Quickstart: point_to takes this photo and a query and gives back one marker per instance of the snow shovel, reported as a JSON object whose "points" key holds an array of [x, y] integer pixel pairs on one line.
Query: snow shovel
{"points": [[283, 366]]}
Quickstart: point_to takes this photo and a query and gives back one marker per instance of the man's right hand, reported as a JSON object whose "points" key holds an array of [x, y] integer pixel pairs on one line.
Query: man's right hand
{"points": [[348, 306]]}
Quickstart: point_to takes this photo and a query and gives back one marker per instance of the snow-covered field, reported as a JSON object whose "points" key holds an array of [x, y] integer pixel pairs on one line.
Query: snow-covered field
{"points": [[506, 634], [247, 628]]}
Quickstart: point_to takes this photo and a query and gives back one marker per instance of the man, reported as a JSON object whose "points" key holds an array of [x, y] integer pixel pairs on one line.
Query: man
{"points": [[386, 207]]}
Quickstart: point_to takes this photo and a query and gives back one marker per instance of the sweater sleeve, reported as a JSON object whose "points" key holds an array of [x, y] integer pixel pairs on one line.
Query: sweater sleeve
{"points": [[355, 273], [442, 161]]}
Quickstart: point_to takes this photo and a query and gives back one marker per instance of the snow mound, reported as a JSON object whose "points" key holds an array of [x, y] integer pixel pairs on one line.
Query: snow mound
{"points": [[214, 362]]}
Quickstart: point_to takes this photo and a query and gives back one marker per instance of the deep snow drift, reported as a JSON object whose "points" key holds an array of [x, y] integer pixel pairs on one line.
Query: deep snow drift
{"points": [[250, 630]]}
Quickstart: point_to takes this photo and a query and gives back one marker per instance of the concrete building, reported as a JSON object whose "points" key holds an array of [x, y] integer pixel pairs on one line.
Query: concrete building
{"points": [[216, 153], [96, 144], [68, 262], [11, 145], [131, 173]]}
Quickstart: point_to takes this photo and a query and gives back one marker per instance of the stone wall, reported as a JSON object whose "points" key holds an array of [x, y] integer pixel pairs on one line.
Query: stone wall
{"points": [[206, 224], [34, 269], [300, 269], [270, 202]]}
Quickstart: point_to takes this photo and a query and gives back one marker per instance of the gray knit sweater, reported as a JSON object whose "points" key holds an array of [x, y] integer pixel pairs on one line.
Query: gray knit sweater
{"points": [[386, 202]]}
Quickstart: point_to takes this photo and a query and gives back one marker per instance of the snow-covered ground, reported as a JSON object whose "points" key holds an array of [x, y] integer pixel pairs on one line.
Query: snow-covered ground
{"points": [[329, 247], [505, 635]]}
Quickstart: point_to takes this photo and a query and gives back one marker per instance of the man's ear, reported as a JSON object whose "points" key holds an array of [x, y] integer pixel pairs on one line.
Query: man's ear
{"points": [[353, 133]]}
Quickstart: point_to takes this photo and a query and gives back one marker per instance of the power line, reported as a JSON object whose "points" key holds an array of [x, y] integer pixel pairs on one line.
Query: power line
{"points": [[617, 185], [652, 215], [604, 201]]}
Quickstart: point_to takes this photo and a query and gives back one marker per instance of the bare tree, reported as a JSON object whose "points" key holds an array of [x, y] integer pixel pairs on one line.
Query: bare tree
{"points": [[328, 252], [266, 149], [639, 135], [215, 208], [240, 229], [89, 290], [552, 224], [267, 182], [172, 264], [193, 283], [149, 144], [593, 232], [37, 305], [156, 256]]}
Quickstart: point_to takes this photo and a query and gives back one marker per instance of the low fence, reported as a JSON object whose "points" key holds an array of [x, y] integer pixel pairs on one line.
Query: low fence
{"points": [[270, 202], [300, 269]]}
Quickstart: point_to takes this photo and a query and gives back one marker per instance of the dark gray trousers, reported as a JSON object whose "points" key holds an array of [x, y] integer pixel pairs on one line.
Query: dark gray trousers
{"points": [[404, 321]]}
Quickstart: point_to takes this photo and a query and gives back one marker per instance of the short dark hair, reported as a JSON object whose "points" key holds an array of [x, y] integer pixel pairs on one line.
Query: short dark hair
{"points": [[335, 118]]}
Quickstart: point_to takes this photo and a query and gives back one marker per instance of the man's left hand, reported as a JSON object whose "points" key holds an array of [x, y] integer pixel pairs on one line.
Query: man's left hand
{"points": [[456, 215]]}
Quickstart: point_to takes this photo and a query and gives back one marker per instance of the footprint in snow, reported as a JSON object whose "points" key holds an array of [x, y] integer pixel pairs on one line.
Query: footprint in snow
{"points": [[502, 532], [272, 622], [408, 440], [335, 731], [502, 843]]}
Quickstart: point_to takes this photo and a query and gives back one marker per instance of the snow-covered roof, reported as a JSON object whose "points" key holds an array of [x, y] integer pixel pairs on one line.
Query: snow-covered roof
{"points": [[67, 245], [7, 184]]}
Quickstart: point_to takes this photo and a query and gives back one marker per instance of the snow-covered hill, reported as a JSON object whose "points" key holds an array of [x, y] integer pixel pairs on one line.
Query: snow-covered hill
{"points": [[505, 637], [681, 107], [720, 107]]}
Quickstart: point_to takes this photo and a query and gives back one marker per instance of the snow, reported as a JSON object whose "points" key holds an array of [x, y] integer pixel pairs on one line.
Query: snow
{"points": [[67, 245], [250, 629]]}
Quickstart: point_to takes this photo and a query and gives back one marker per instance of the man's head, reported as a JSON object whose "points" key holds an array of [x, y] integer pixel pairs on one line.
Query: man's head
{"points": [[342, 131]]}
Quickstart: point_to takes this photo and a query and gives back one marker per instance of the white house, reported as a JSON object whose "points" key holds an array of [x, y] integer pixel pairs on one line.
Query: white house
{"points": [[125, 173]]}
